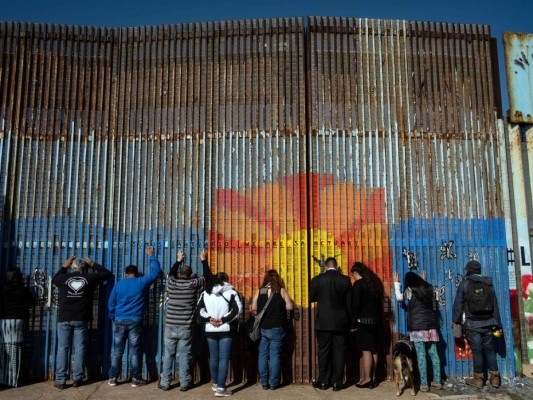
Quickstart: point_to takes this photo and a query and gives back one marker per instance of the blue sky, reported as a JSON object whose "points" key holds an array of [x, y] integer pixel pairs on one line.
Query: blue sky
{"points": [[509, 15]]}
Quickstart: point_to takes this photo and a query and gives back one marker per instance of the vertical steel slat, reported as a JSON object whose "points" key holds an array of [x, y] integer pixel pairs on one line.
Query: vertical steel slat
{"points": [[472, 131], [450, 167], [5, 108], [16, 167], [27, 67], [83, 84], [20, 67], [6, 242], [5, 72], [72, 79], [94, 80]]}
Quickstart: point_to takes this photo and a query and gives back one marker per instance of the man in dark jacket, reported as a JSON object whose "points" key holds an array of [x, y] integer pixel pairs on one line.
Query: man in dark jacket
{"points": [[332, 292], [76, 291], [479, 325]]}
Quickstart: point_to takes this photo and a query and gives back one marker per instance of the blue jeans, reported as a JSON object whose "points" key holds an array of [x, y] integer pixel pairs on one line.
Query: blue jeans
{"points": [[177, 338], [270, 356], [482, 344], [71, 333], [219, 355], [132, 331]]}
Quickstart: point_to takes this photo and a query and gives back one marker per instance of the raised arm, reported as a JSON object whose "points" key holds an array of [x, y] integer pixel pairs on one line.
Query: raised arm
{"points": [[155, 267], [103, 272], [205, 266], [176, 265], [63, 269], [397, 287]]}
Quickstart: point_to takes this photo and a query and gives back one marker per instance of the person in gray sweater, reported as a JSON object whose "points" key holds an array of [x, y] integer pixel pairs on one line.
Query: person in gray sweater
{"points": [[182, 291]]}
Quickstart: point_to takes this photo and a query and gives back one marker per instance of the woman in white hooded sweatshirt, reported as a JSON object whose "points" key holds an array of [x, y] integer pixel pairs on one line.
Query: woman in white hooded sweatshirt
{"points": [[220, 307]]}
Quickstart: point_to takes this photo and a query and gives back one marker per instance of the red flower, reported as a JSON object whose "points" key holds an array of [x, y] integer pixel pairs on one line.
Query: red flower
{"points": [[526, 280]]}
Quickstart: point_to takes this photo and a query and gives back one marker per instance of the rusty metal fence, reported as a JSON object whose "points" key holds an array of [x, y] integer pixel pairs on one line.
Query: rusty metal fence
{"points": [[273, 143], [403, 120]]}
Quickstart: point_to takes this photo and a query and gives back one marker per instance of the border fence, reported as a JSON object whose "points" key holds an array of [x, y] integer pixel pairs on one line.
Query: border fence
{"points": [[274, 143]]}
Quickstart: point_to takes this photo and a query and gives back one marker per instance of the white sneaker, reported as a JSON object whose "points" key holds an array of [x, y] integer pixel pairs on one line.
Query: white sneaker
{"points": [[221, 392], [112, 382], [214, 387]]}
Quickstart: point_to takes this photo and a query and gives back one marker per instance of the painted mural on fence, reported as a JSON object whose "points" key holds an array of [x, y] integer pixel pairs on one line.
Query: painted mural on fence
{"points": [[268, 227]]}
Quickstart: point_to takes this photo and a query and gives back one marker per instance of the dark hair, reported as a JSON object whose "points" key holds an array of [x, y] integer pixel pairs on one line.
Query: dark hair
{"points": [[422, 290], [132, 270], [272, 277], [185, 271], [370, 279], [215, 280], [14, 277], [330, 262]]}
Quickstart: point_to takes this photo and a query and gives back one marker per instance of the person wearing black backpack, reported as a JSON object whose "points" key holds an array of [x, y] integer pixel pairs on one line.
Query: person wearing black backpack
{"points": [[476, 298]]}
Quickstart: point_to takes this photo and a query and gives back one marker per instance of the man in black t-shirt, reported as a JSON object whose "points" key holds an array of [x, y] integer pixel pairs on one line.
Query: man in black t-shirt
{"points": [[76, 291]]}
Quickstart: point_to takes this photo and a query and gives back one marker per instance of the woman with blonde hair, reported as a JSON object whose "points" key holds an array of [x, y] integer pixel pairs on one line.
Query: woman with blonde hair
{"points": [[272, 327]]}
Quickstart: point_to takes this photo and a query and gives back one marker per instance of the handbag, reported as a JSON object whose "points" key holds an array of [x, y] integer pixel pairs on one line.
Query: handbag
{"points": [[253, 325]]}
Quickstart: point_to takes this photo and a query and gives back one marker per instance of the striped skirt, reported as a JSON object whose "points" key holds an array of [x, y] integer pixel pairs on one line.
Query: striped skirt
{"points": [[11, 343]]}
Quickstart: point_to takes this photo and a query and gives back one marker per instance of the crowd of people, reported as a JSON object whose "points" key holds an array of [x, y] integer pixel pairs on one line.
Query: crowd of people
{"points": [[341, 308]]}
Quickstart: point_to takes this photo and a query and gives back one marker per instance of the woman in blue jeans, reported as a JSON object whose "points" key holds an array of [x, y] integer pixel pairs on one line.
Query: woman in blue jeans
{"points": [[272, 327], [220, 307]]}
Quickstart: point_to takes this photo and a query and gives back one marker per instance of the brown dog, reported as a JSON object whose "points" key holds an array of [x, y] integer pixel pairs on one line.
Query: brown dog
{"points": [[402, 354]]}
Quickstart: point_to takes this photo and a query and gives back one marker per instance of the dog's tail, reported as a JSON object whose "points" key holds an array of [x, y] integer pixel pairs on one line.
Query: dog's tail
{"points": [[406, 374]]}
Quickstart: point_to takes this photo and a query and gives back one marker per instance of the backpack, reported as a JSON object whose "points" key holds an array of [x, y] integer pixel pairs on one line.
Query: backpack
{"points": [[479, 300]]}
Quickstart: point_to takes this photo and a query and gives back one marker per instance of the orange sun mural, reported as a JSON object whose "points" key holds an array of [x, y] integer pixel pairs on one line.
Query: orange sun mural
{"points": [[291, 225]]}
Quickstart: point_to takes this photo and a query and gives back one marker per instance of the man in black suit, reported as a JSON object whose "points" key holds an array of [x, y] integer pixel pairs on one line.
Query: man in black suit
{"points": [[332, 291]]}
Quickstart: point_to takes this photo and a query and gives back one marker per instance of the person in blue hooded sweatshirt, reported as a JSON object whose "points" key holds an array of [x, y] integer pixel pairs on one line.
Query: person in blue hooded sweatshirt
{"points": [[126, 308]]}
